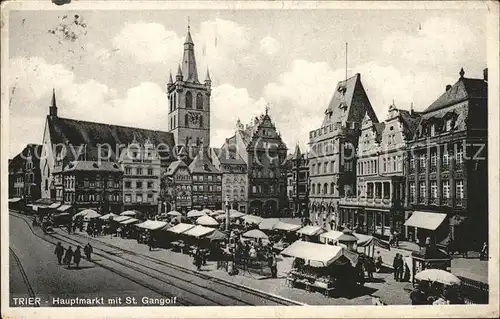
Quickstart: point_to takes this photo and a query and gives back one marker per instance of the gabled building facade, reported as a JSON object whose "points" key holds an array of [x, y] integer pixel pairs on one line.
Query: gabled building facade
{"points": [[178, 183], [207, 183], [24, 174], [298, 183], [234, 175], [332, 160], [264, 152], [447, 165], [377, 208]]}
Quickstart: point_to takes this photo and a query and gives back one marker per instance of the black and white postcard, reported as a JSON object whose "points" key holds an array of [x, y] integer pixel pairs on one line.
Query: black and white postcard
{"points": [[202, 159]]}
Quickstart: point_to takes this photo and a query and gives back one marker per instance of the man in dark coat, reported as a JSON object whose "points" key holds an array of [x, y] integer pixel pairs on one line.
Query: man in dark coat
{"points": [[417, 296], [88, 251], [59, 252], [68, 256], [77, 256]]}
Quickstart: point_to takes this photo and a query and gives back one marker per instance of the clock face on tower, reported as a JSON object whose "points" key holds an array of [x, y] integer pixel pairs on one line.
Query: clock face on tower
{"points": [[194, 118]]}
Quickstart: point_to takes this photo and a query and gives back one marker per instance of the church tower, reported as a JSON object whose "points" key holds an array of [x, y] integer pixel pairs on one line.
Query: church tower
{"points": [[189, 101]]}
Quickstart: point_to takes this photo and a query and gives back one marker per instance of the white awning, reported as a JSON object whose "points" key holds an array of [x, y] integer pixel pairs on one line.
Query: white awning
{"points": [[322, 254], [311, 230], [55, 205], [129, 221], [268, 223], [150, 224], [14, 200], [180, 228], [286, 226], [425, 220], [121, 218], [331, 235], [63, 208], [199, 231]]}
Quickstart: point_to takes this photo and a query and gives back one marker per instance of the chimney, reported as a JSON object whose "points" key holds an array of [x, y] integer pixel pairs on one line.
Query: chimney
{"points": [[411, 108], [448, 87], [485, 75]]}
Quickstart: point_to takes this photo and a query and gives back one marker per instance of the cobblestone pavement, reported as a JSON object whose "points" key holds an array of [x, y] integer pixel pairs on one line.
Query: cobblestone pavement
{"points": [[392, 292]]}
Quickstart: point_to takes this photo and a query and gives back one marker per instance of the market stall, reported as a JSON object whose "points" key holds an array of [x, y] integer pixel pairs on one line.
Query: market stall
{"points": [[310, 233], [149, 231], [208, 221], [267, 224], [429, 257], [321, 267], [127, 231], [176, 232]]}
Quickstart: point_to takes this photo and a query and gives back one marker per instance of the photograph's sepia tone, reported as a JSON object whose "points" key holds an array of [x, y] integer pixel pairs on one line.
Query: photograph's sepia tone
{"points": [[173, 157]]}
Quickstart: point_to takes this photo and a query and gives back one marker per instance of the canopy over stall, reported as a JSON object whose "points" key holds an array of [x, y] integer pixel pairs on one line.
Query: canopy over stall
{"points": [[425, 220], [180, 228], [194, 213], [311, 230], [174, 213], [319, 254], [430, 257], [268, 223], [206, 220], [217, 212], [152, 224], [199, 231], [63, 208], [438, 275], [252, 219], [332, 235], [129, 213], [232, 214], [119, 219], [286, 226], [255, 233], [217, 235], [87, 214], [129, 221], [55, 205], [14, 200], [206, 211], [108, 216]]}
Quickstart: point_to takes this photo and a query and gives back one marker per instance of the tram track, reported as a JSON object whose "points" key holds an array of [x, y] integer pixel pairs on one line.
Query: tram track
{"points": [[229, 291], [26, 281]]}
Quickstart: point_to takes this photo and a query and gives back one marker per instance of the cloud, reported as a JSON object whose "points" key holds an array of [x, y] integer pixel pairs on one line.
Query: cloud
{"points": [[438, 40], [228, 105], [269, 45], [149, 43]]}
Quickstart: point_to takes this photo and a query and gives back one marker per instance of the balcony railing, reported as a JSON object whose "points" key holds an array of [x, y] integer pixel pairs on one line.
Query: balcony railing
{"points": [[371, 202]]}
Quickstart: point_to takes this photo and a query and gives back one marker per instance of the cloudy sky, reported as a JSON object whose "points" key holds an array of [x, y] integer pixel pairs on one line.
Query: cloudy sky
{"points": [[112, 66]]}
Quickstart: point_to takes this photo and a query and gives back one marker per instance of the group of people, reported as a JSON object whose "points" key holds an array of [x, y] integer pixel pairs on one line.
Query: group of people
{"points": [[401, 270], [427, 293], [66, 256]]}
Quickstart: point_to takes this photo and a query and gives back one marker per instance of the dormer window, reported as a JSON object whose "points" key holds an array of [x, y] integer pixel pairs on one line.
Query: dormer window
{"points": [[342, 106]]}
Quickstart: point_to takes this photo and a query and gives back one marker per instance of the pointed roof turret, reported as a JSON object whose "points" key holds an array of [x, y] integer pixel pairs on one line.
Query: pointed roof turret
{"points": [[297, 154], [53, 105], [170, 80], [462, 73], [189, 70], [207, 77], [179, 73]]}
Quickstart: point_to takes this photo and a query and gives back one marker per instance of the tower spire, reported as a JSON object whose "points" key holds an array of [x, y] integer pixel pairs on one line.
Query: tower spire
{"points": [[170, 80], [178, 77], [53, 105], [189, 70]]}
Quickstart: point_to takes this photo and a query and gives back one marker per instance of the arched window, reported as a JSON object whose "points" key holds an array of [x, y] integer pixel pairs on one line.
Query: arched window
{"points": [[171, 103], [325, 189], [186, 120], [175, 101], [189, 100], [313, 190], [318, 186], [199, 101], [332, 188], [201, 120]]}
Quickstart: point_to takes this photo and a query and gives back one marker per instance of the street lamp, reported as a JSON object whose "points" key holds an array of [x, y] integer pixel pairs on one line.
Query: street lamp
{"points": [[227, 213]]}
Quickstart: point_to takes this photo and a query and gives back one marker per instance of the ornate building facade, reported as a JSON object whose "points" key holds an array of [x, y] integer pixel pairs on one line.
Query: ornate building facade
{"points": [[264, 152], [447, 165], [298, 183], [25, 175], [141, 177], [207, 183], [234, 175], [178, 183], [377, 208], [332, 160]]}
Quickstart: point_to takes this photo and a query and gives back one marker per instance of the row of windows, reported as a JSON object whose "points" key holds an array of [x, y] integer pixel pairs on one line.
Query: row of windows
{"points": [[235, 190], [447, 154], [316, 189], [139, 184], [92, 183], [138, 198], [198, 199], [234, 180], [207, 188], [257, 173], [139, 171], [389, 164], [445, 189], [268, 189], [189, 101], [323, 168], [95, 197], [207, 178]]}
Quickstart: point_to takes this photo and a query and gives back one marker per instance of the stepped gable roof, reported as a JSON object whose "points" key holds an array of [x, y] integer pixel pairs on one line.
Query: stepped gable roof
{"points": [[463, 89], [76, 132], [202, 164], [174, 166], [227, 153], [92, 166]]}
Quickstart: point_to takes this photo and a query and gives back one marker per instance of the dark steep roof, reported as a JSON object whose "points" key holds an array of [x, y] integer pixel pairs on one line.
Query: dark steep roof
{"points": [[462, 90], [227, 155], [76, 132], [379, 129], [201, 164], [410, 122], [92, 166], [174, 166]]}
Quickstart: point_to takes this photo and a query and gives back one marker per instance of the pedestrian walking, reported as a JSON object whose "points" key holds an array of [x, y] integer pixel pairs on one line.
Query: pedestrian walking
{"points": [[68, 256], [80, 226], [88, 251], [378, 262], [197, 259], [150, 242], [59, 252], [73, 227], [395, 266], [484, 251], [68, 228], [77, 256], [396, 239], [274, 265], [370, 267]]}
